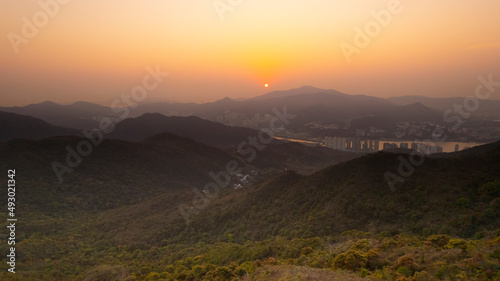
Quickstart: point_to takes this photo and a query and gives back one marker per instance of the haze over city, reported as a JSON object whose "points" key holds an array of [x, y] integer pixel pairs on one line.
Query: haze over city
{"points": [[95, 51]]}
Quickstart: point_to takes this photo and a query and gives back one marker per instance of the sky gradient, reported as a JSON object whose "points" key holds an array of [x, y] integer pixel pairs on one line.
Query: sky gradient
{"points": [[96, 50]]}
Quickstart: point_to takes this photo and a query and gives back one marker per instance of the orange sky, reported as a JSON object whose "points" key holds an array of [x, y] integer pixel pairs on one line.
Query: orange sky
{"points": [[96, 50]]}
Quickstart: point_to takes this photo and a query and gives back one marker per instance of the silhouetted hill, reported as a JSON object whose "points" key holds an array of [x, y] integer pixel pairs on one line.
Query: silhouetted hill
{"points": [[310, 104], [324, 108], [358, 113], [387, 117], [208, 132], [19, 126], [297, 91], [488, 109], [79, 115], [277, 155]]}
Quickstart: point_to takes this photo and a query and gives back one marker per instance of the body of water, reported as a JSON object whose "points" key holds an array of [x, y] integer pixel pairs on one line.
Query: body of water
{"points": [[301, 141]]}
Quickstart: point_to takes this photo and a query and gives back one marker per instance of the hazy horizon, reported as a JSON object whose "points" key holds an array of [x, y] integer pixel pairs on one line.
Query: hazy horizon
{"points": [[149, 100], [93, 51]]}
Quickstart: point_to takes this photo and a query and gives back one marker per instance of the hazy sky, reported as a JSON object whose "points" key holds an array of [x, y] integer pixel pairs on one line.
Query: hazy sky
{"points": [[95, 50]]}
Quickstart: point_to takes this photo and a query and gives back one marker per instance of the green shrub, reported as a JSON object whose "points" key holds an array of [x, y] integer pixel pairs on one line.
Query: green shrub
{"points": [[307, 250], [199, 271], [463, 202], [457, 244], [351, 260], [439, 240], [361, 245], [153, 276], [404, 271], [489, 190]]}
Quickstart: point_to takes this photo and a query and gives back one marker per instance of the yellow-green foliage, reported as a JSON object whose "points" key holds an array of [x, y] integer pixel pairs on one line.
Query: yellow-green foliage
{"points": [[400, 257], [351, 260]]}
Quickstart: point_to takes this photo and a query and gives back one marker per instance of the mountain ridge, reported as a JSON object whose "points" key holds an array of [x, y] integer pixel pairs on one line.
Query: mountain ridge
{"points": [[14, 125]]}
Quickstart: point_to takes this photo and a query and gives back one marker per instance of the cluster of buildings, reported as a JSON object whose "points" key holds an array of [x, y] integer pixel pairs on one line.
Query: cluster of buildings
{"points": [[426, 148], [423, 148], [258, 121], [355, 144], [352, 144]]}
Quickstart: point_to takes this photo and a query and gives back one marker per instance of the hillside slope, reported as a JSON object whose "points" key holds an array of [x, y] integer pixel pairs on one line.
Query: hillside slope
{"points": [[449, 195], [211, 133], [19, 126]]}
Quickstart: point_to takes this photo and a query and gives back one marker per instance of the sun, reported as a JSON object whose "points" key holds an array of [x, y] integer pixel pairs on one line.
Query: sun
{"points": [[266, 85]]}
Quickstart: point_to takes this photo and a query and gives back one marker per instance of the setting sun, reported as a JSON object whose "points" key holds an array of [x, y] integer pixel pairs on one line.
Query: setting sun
{"points": [[266, 85]]}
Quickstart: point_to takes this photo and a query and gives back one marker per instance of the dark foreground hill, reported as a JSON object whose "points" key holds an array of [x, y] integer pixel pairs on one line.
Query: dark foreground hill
{"points": [[458, 195], [117, 173], [116, 217]]}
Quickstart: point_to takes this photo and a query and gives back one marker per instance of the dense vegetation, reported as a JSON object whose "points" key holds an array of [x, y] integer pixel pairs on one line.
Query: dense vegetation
{"points": [[352, 255], [110, 222]]}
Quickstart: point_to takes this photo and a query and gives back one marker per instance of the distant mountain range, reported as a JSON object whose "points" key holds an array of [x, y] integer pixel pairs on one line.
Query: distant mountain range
{"points": [[304, 90], [488, 109], [318, 112], [309, 103]]}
